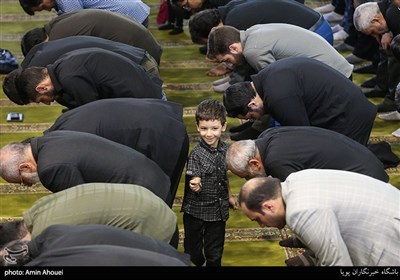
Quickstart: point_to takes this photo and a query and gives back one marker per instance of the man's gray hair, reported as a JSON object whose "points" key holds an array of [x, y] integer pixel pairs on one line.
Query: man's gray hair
{"points": [[239, 154], [357, 3], [11, 156], [364, 14]]}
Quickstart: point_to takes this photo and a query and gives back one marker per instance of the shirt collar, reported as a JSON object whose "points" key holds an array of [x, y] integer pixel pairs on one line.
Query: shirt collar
{"points": [[209, 148]]}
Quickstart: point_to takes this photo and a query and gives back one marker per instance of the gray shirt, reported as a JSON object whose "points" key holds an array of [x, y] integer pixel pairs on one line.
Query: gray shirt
{"points": [[104, 24], [265, 43]]}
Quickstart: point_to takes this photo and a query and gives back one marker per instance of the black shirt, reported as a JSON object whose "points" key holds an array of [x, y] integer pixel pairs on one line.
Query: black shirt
{"points": [[392, 16], [64, 236], [285, 150], [103, 255], [86, 75], [104, 24], [210, 4], [68, 158], [243, 14], [48, 52], [150, 126], [301, 91]]}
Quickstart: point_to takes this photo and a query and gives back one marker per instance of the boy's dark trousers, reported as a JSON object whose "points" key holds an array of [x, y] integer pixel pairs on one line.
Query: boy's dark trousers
{"points": [[201, 234]]}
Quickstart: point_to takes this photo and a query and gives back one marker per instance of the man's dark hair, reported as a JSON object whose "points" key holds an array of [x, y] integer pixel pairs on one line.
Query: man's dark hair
{"points": [[220, 39], [32, 38], [209, 110], [10, 88], [28, 4], [237, 97], [16, 253], [10, 231], [268, 188], [180, 12], [201, 24], [395, 46], [27, 81]]}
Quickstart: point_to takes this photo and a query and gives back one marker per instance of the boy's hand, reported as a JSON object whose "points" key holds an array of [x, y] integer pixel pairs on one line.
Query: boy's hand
{"points": [[195, 184]]}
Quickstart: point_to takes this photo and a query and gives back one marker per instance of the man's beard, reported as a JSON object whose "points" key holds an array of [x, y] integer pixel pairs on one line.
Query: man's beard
{"points": [[239, 60]]}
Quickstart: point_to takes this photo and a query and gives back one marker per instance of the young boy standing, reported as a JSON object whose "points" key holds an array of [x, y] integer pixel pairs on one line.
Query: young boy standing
{"points": [[207, 195]]}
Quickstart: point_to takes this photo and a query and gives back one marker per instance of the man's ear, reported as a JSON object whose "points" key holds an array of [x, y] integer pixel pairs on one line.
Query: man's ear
{"points": [[235, 48], [377, 19], [26, 167], [267, 207], [255, 164], [252, 104], [41, 88]]}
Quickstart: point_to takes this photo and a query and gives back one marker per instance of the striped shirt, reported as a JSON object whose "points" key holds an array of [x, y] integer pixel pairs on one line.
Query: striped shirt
{"points": [[345, 218]]}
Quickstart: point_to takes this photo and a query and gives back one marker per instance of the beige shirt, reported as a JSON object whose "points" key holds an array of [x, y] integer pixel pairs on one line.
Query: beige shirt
{"points": [[125, 206]]}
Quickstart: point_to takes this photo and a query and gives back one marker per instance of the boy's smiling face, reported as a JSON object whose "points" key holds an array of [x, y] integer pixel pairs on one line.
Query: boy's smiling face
{"points": [[210, 131]]}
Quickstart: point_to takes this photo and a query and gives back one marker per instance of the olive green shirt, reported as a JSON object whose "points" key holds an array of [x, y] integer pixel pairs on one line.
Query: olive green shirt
{"points": [[125, 206]]}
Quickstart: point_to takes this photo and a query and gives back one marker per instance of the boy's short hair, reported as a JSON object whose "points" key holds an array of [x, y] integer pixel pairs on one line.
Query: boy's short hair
{"points": [[209, 110]]}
